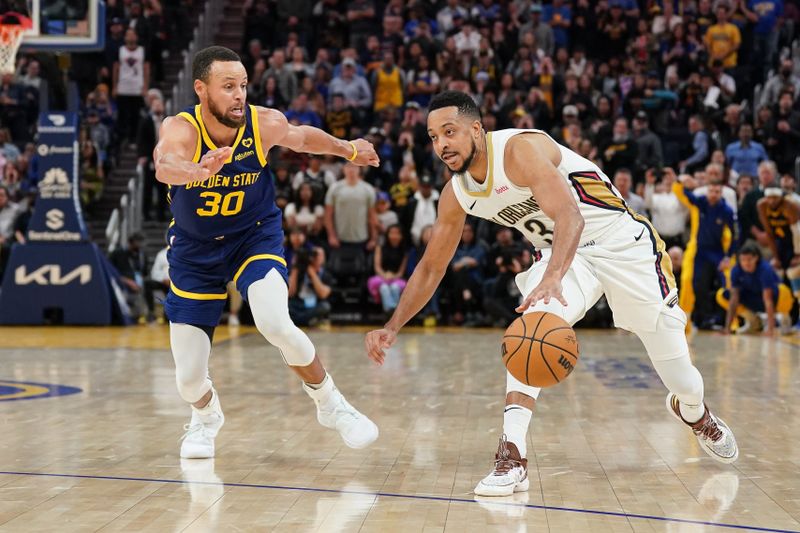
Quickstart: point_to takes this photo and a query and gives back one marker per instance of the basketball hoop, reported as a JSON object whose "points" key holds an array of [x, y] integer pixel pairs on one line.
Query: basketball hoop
{"points": [[12, 27]]}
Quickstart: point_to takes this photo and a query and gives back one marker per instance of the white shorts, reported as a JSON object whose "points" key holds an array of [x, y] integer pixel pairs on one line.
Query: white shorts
{"points": [[628, 264]]}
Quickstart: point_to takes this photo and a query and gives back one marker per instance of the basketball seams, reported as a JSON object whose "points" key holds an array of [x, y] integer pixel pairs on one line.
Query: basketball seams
{"points": [[524, 336], [547, 364], [543, 342], [530, 346]]}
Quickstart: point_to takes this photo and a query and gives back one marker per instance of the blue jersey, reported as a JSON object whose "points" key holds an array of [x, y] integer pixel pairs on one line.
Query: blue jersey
{"points": [[237, 198]]}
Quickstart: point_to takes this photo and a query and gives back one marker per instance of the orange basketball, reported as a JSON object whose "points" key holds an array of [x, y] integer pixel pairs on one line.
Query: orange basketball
{"points": [[540, 349]]}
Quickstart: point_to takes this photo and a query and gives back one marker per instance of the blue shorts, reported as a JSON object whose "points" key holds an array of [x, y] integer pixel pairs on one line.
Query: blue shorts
{"points": [[199, 270]]}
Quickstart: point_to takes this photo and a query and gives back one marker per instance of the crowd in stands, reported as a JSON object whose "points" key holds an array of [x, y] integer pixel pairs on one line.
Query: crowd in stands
{"points": [[661, 94]]}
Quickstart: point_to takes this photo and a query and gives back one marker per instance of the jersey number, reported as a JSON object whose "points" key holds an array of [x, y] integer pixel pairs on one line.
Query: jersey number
{"points": [[537, 227], [231, 203]]}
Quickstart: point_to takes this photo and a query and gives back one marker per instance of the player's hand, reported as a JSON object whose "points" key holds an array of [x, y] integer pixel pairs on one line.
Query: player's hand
{"points": [[549, 287], [377, 341], [212, 162], [366, 154]]}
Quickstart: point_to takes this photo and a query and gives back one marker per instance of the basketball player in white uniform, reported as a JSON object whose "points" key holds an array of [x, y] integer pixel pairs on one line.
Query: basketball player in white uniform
{"points": [[588, 244]]}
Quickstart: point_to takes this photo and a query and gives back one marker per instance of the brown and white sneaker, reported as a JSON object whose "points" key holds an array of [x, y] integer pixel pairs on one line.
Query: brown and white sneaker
{"points": [[510, 473], [714, 435]]}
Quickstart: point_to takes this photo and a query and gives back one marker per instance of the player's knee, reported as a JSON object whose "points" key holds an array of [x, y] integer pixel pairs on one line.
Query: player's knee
{"points": [[274, 327], [668, 341]]}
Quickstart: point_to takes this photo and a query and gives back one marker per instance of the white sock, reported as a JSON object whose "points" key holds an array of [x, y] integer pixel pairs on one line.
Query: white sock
{"points": [[321, 393], [516, 420], [692, 413], [211, 407]]}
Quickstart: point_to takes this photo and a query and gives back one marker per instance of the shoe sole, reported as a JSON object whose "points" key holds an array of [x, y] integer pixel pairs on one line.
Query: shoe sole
{"points": [[709, 451], [198, 456], [360, 445], [505, 490]]}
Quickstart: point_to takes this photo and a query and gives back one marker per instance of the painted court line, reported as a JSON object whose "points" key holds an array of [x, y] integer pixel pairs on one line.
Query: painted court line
{"points": [[412, 497]]}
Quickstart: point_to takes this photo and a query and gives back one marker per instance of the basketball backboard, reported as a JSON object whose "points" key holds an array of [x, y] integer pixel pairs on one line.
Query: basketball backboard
{"points": [[63, 25]]}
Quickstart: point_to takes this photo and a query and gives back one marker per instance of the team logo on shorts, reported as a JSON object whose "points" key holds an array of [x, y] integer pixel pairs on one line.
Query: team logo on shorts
{"points": [[23, 390]]}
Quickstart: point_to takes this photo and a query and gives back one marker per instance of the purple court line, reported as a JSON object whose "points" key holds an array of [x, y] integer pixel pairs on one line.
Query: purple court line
{"points": [[411, 497]]}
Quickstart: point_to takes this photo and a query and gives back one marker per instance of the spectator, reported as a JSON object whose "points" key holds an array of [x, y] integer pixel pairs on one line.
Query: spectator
{"points": [[542, 32], [12, 107], [390, 261], [361, 20], [700, 146], [355, 89], [305, 212], [745, 154], [445, 16], [132, 265], [92, 176], [501, 294], [309, 287], [384, 214], [388, 83], [350, 211], [714, 173], [784, 78], [667, 213], [465, 278], [559, 16], [319, 178], [620, 151], [301, 114], [99, 134], [711, 244], [421, 209], [9, 211], [756, 291], [283, 73], [648, 145], [723, 39], [784, 133], [749, 224], [423, 82], [765, 15], [146, 140], [623, 181], [131, 81]]}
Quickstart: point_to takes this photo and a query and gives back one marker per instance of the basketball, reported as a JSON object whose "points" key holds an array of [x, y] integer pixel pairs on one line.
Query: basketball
{"points": [[540, 349]]}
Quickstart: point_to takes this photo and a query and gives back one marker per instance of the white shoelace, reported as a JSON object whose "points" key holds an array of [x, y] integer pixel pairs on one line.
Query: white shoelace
{"points": [[191, 429]]}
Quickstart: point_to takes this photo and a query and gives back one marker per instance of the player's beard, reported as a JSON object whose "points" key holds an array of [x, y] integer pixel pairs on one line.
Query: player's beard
{"points": [[468, 160], [223, 118]]}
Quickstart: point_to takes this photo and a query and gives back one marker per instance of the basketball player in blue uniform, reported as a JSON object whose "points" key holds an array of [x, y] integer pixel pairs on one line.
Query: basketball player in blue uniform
{"points": [[227, 227]]}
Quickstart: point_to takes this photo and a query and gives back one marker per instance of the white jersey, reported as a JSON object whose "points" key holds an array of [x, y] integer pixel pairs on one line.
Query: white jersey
{"points": [[795, 198], [498, 199], [131, 71]]}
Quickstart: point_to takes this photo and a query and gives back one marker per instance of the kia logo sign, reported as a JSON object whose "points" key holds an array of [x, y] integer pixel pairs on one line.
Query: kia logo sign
{"points": [[51, 275]]}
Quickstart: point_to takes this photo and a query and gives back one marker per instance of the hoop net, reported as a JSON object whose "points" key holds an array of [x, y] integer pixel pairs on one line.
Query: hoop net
{"points": [[12, 28]]}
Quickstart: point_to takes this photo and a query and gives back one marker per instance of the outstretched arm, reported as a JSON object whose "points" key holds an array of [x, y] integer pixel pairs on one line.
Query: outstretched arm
{"points": [[427, 275], [529, 163], [310, 140], [175, 152]]}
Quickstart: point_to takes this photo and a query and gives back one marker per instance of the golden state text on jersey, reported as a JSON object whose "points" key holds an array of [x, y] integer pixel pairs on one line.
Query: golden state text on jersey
{"points": [[235, 199]]}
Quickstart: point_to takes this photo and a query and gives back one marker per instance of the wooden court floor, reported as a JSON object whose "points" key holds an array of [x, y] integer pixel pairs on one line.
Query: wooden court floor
{"points": [[90, 425]]}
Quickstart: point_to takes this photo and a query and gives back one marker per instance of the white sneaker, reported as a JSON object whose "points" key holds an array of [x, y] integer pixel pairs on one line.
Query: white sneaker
{"points": [[714, 436], [198, 441], [334, 412], [510, 473]]}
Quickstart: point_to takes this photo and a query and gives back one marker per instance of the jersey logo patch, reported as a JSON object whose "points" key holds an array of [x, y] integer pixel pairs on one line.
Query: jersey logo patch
{"points": [[501, 190], [247, 143], [473, 205], [639, 237], [241, 156]]}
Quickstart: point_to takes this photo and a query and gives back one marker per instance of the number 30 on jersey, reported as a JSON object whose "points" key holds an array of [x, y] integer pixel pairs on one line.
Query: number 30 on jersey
{"points": [[227, 205]]}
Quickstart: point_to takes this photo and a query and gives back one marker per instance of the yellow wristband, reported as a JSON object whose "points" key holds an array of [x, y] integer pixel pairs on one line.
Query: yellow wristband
{"points": [[355, 152]]}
